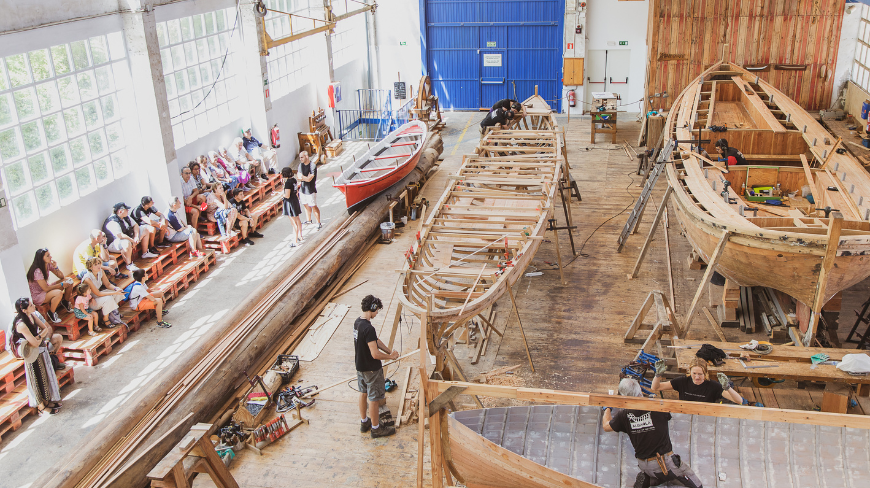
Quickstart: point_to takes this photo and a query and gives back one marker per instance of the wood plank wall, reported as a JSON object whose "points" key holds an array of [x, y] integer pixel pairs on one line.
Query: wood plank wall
{"points": [[745, 32]]}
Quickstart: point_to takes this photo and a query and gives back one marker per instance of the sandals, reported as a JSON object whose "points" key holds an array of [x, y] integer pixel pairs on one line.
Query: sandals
{"points": [[97, 329], [91, 333], [42, 410]]}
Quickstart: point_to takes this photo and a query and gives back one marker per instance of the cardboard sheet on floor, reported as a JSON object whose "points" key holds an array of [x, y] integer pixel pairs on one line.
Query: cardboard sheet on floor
{"points": [[320, 332]]}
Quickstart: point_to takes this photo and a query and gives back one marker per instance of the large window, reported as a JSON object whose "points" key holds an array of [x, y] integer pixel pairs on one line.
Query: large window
{"points": [[861, 65], [60, 123], [287, 62], [200, 65]]}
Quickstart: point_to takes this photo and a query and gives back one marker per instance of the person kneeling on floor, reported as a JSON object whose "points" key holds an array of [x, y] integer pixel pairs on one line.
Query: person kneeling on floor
{"points": [[369, 351], [651, 439], [141, 298]]}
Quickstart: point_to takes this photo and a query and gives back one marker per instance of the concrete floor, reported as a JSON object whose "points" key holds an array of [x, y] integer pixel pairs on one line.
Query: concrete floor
{"points": [[102, 389]]}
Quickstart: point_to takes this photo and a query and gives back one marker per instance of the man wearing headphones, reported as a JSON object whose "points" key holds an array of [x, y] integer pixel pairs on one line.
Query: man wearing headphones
{"points": [[369, 351]]}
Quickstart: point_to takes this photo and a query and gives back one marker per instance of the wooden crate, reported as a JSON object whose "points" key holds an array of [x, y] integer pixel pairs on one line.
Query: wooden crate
{"points": [[222, 244], [11, 372], [89, 349], [13, 409]]}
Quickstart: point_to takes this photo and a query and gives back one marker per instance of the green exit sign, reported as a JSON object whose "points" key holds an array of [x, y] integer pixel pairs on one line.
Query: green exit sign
{"points": [[623, 43], [491, 44], [403, 43]]}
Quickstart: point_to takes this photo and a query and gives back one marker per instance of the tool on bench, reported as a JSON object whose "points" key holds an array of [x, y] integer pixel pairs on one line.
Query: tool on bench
{"points": [[756, 366], [287, 398]]}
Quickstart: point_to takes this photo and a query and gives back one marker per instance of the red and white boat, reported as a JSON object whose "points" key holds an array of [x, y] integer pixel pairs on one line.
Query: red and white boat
{"points": [[384, 165]]}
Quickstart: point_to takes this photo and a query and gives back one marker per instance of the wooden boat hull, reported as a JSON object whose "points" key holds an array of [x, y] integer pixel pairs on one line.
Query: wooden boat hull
{"points": [[548, 446], [494, 212], [784, 247], [358, 194]]}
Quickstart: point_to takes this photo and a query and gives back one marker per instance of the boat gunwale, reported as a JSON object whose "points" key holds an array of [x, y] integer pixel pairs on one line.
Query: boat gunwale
{"points": [[413, 156]]}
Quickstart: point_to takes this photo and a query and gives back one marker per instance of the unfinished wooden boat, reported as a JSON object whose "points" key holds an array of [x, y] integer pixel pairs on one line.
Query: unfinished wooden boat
{"points": [[489, 222], [788, 153], [383, 165], [549, 446]]}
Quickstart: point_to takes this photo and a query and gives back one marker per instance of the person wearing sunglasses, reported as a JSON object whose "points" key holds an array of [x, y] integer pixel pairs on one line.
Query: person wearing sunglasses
{"points": [[43, 293]]}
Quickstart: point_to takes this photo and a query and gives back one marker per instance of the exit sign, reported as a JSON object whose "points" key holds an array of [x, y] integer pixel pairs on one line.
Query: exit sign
{"points": [[403, 43], [623, 43]]}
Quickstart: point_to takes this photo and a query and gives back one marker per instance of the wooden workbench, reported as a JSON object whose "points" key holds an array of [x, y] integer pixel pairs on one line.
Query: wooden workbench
{"points": [[792, 363]]}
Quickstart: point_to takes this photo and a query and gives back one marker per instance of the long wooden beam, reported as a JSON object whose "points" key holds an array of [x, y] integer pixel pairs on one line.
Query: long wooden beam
{"points": [[562, 397]]}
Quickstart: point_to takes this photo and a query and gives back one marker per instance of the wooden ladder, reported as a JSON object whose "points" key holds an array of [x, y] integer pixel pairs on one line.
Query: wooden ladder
{"points": [[639, 206]]}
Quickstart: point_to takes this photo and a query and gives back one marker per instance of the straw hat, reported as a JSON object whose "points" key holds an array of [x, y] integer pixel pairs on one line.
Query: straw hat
{"points": [[27, 352]]}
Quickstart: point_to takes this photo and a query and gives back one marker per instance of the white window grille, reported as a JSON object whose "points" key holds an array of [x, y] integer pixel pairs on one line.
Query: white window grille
{"points": [[200, 67], [61, 134], [287, 63]]}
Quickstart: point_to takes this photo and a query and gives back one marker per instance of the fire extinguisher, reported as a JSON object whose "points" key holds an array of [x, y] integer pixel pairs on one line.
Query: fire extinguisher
{"points": [[276, 136], [572, 98]]}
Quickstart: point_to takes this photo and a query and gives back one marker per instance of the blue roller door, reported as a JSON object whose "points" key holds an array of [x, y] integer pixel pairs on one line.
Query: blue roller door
{"points": [[481, 51]]}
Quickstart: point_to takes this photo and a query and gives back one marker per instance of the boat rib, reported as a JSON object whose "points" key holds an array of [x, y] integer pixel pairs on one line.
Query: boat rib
{"points": [[489, 222]]}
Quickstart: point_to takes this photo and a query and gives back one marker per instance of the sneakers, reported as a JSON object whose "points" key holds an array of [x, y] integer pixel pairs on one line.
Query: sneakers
{"points": [[319, 226], [121, 276], [307, 222], [149, 255], [263, 176], [383, 431], [386, 419], [132, 267], [165, 312], [255, 234], [163, 245], [53, 317], [248, 241], [163, 324], [293, 244], [66, 305], [365, 426]]}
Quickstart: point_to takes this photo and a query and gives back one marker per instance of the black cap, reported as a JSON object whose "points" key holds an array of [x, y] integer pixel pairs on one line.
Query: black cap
{"points": [[120, 205]]}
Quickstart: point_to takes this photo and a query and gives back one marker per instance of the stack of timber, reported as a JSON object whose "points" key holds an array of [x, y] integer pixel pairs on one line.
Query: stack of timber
{"points": [[124, 449], [806, 252], [490, 221]]}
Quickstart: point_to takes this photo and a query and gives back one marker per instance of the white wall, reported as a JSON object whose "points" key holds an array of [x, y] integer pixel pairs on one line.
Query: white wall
{"points": [[846, 53], [611, 21], [398, 21]]}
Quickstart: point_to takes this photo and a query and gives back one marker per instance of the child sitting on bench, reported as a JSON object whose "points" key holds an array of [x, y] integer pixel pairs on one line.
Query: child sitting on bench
{"points": [[140, 298], [83, 309]]}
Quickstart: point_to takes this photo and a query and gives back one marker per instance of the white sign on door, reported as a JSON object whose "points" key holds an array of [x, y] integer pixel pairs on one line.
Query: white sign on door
{"points": [[492, 59]]}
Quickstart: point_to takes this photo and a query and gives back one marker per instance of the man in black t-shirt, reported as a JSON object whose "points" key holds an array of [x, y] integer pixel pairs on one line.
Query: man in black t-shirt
{"points": [[369, 351], [649, 435], [308, 188], [495, 118]]}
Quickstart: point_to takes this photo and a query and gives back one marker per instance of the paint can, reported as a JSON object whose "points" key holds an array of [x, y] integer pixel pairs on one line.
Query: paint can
{"points": [[387, 231], [865, 142], [865, 109]]}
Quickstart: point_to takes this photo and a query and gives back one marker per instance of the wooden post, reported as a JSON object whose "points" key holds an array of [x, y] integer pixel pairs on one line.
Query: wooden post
{"points": [[517, 311], [652, 232], [435, 452], [396, 318], [668, 260], [558, 252], [711, 266], [834, 227], [421, 398]]}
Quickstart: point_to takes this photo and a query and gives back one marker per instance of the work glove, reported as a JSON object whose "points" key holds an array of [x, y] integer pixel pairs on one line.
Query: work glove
{"points": [[661, 367], [724, 381]]}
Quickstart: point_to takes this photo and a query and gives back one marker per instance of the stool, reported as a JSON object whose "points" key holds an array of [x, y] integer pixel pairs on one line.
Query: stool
{"points": [[194, 454]]}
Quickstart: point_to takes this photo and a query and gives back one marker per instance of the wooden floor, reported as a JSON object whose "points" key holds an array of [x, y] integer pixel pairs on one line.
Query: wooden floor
{"points": [[574, 331], [732, 114]]}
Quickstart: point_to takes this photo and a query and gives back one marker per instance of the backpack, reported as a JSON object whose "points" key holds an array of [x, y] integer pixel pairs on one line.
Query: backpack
{"points": [[129, 289]]}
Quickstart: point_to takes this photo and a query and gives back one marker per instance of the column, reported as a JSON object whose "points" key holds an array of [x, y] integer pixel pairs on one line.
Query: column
{"points": [[157, 153], [256, 73]]}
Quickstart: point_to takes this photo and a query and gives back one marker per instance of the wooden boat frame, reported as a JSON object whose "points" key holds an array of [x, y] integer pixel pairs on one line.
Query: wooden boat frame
{"points": [[808, 257], [495, 210]]}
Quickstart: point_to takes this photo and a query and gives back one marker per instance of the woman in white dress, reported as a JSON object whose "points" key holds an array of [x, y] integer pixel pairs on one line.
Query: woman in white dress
{"points": [[106, 300]]}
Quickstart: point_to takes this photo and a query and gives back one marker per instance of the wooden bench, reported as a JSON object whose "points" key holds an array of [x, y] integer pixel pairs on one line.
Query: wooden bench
{"points": [[14, 405], [787, 362], [222, 244], [11, 372], [88, 349], [192, 455]]}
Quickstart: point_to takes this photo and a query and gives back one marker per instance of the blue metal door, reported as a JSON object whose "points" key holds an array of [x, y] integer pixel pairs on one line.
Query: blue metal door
{"points": [[481, 51]]}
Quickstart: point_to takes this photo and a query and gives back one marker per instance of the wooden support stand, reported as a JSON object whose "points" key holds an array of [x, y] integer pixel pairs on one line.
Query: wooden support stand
{"points": [[665, 324], [604, 123], [173, 472]]}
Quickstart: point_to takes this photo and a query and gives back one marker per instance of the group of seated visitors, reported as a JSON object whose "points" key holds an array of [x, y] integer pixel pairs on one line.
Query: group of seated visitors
{"points": [[215, 184]]}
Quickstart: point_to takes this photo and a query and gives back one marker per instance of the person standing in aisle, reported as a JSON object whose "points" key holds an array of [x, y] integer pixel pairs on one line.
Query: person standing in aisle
{"points": [[308, 189], [369, 351]]}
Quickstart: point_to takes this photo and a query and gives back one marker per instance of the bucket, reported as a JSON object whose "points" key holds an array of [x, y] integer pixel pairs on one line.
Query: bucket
{"points": [[865, 142], [387, 231], [865, 109]]}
